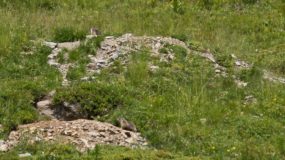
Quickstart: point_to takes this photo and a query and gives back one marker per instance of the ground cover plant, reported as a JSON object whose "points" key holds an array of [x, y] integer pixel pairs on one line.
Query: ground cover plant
{"points": [[183, 109]]}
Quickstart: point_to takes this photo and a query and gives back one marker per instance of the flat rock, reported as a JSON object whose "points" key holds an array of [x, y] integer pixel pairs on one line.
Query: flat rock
{"points": [[69, 45], [51, 45], [44, 104], [3, 146], [23, 155]]}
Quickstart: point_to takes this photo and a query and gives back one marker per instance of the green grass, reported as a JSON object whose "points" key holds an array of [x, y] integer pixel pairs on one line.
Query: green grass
{"points": [[182, 109], [63, 152]]}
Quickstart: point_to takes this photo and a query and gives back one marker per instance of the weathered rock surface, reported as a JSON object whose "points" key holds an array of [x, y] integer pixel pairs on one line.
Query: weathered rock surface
{"points": [[4, 147], [84, 134], [114, 48], [51, 45], [250, 99], [271, 77], [23, 155], [69, 45], [120, 48], [53, 58]]}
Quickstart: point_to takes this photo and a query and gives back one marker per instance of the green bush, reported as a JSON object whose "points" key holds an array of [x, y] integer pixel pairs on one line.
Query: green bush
{"points": [[37, 4], [95, 99], [206, 3], [225, 60], [91, 46], [68, 34], [181, 37], [177, 6], [249, 1]]}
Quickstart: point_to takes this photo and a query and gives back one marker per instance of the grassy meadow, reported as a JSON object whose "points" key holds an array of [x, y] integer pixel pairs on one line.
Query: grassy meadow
{"points": [[184, 110]]}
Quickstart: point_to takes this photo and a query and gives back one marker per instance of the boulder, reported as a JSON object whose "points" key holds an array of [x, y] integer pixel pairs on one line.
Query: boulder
{"points": [[3, 146], [69, 45], [23, 155], [44, 104], [51, 45]]}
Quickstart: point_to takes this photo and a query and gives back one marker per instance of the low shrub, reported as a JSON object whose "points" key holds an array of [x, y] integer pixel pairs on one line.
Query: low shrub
{"points": [[68, 34], [95, 99]]}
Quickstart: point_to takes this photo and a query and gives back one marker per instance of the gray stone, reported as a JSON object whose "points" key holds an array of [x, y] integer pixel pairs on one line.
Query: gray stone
{"points": [[3, 146], [233, 56], [250, 99], [25, 155], [53, 63], [90, 36], [51, 45], [52, 93], [154, 68], [240, 83], [44, 104], [271, 77], [115, 55], [101, 61], [237, 63], [209, 56], [69, 45], [203, 121], [218, 71]]}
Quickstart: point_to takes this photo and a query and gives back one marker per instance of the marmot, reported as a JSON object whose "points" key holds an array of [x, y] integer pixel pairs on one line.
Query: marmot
{"points": [[95, 32], [124, 124]]}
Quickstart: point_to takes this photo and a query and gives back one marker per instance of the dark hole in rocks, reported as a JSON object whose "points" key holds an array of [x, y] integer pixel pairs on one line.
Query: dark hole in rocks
{"points": [[64, 111], [69, 112], [128, 134]]}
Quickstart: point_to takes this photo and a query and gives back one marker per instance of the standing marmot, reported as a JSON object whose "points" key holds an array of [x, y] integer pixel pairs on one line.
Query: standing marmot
{"points": [[95, 32], [124, 124]]}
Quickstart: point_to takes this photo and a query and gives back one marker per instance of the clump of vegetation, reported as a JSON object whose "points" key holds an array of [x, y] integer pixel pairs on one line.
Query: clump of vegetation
{"points": [[225, 60], [95, 99], [42, 4], [91, 46], [181, 37], [80, 58], [68, 34], [177, 6]]}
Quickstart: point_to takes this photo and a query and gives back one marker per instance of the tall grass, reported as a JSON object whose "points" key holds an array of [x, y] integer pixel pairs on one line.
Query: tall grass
{"points": [[183, 107]]}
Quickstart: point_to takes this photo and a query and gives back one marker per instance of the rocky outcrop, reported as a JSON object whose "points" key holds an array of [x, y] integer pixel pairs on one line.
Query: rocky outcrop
{"points": [[120, 48], [271, 77], [84, 134], [53, 58], [114, 48]]}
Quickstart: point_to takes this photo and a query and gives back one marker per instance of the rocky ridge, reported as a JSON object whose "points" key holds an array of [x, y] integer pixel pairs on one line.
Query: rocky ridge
{"points": [[120, 48]]}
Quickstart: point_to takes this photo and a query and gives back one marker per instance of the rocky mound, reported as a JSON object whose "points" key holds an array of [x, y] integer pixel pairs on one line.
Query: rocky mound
{"points": [[84, 134]]}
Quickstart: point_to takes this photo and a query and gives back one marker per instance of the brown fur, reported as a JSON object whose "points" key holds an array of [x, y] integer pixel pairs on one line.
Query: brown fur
{"points": [[124, 124], [94, 31]]}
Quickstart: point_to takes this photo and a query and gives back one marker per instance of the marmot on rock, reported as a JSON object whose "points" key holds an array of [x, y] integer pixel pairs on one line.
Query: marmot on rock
{"points": [[95, 32], [124, 124]]}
